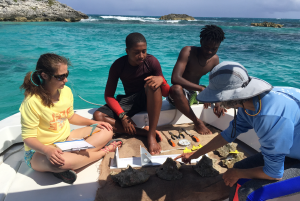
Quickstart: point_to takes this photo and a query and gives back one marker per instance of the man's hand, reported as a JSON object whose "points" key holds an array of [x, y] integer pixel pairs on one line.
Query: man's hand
{"points": [[206, 105], [54, 155], [128, 125], [218, 110], [153, 82], [231, 176], [185, 158], [201, 88]]}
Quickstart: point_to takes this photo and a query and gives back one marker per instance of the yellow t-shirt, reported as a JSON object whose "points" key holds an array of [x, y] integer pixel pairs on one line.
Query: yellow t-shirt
{"points": [[48, 125]]}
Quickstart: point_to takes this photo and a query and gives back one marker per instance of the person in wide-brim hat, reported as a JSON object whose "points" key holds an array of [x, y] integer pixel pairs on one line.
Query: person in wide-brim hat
{"points": [[273, 113]]}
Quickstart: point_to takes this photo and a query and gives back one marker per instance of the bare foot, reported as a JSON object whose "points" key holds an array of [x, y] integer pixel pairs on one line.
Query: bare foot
{"points": [[154, 147], [158, 135], [201, 128]]}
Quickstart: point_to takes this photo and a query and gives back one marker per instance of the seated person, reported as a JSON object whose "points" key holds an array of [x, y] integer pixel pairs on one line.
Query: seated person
{"points": [[46, 114], [193, 63], [144, 86], [274, 115]]}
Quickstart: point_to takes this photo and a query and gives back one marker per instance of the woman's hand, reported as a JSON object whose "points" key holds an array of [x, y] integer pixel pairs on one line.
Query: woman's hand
{"points": [[54, 155], [185, 158], [102, 125]]}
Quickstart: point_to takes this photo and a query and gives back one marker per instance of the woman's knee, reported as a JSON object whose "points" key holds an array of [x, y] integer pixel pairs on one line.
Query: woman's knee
{"points": [[108, 133]]}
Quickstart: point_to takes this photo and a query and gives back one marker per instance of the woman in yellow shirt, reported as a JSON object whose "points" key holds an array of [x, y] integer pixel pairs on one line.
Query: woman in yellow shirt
{"points": [[46, 114]]}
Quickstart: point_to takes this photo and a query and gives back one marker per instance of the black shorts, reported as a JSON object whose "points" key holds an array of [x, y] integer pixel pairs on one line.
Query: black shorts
{"points": [[131, 104]]}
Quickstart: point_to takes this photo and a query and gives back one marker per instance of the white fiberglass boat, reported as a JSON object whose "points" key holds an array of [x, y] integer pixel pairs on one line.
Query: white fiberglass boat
{"points": [[18, 182]]}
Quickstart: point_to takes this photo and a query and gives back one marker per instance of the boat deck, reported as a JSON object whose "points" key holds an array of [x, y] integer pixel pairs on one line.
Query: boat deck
{"points": [[18, 182]]}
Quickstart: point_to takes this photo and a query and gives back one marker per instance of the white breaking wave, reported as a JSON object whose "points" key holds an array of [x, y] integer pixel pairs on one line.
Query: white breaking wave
{"points": [[123, 18], [89, 20], [142, 19]]}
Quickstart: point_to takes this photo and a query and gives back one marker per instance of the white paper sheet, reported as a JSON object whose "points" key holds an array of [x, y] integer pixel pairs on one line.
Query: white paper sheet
{"points": [[74, 145]]}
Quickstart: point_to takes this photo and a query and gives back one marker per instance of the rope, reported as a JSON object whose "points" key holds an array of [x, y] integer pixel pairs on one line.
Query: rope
{"points": [[81, 97]]}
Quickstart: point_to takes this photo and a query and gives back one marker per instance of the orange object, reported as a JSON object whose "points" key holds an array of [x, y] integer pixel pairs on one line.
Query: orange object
{"points": [[236, 195], [169, 140], [192, 136], [95, 132], [171, 143], [195, 138]]}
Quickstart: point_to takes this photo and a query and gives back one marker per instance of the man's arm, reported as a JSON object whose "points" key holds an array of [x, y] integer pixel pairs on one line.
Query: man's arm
{"points": [[232, 175], [157, 80], [179, 69], [215, 143], [110, 89]]}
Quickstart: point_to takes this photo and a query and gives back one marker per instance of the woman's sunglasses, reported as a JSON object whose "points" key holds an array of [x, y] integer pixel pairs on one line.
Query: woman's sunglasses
{"points": [[61, 77]]}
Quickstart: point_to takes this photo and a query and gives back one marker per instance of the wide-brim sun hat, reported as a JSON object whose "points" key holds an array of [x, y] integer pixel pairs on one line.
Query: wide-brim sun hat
{"points": [[230, 81]]}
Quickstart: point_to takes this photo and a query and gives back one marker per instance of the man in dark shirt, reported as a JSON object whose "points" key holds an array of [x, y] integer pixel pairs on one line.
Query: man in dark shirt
{"points": [[193, 63], [144, 86]]}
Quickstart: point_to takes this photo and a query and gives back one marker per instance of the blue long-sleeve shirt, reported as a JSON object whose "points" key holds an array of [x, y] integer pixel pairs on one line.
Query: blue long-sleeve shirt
{"points": [[277, 127]]}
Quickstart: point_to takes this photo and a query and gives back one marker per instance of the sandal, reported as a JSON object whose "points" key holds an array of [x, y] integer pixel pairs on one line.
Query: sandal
{"points": [[114, 140], [113, 143]]}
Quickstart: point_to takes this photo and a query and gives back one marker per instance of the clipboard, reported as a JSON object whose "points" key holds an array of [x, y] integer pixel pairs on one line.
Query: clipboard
{"points": [[74, 145]]}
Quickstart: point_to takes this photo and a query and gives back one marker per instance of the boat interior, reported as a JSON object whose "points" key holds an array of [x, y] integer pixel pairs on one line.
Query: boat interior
{"points": [[18, 182]]}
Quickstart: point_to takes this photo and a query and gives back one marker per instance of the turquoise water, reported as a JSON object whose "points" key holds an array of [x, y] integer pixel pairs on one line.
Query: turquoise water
{"points": [[93, 45]]}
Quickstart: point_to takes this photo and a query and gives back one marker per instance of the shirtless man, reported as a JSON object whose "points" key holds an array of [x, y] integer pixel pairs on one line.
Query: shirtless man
{"points": [[192, 63], [144, 86]]}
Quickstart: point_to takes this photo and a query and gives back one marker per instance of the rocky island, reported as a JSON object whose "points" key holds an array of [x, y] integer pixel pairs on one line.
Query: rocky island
{"points": [[176, 17], [267, 24], [38, 10]]}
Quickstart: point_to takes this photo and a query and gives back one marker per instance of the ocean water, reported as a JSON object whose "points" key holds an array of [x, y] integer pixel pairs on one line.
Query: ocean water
{"points": [[94, 44]]}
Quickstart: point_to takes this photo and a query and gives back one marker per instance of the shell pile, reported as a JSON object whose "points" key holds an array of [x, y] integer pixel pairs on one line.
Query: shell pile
{"points": [[232, 159], [224, 151]]}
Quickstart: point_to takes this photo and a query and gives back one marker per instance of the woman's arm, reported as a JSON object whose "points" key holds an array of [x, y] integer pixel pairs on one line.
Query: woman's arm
{"points": [[82, 121], [52, 153]]}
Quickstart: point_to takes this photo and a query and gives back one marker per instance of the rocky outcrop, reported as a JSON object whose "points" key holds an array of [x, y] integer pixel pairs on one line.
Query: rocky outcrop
{"points": [[38, 10], [267, 24], [176, 17]]}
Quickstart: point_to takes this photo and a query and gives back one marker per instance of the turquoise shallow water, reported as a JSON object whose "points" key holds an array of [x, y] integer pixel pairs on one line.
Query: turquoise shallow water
{"points": [[93, 45]]}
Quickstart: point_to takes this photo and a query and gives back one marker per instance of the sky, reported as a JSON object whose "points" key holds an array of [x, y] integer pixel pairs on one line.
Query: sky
{"points": [[196, 8]]}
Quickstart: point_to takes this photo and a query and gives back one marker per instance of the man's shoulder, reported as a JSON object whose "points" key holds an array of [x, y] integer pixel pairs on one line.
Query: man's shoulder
{"points": [[121, 60], [152, 60], [188, 52], [189, 49], [150, 57]]}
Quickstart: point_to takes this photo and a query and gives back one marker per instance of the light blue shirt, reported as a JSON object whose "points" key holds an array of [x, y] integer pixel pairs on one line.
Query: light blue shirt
{"points": [[277, 127]]}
